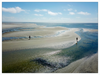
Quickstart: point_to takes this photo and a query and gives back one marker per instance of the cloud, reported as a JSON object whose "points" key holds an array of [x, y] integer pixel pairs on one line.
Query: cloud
{"points": [[12, 10], [71, 13], [44, 10], [69, 9], [84, 13], [52, 13], [38, 15], [38, 10], [49, 12]]}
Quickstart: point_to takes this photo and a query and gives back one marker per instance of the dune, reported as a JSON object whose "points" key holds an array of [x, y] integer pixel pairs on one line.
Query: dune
{"points": [[84, 65]]}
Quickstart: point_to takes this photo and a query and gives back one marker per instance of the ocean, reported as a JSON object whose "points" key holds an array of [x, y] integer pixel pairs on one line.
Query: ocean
{"points": [[33, 60]]}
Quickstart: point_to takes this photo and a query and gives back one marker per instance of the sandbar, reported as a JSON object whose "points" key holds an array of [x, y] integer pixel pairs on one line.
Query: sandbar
{"points": [[63, 40], [84, 65]]}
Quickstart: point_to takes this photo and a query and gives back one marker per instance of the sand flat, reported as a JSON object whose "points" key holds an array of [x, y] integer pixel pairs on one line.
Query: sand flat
{"points": [[27, 33], [7, 26], [39, 30], [90, 30], [84, 65], [64, 39], [39, 42]]}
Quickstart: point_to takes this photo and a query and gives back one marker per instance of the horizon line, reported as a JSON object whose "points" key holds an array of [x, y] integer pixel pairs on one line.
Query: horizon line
{"points": [[58, 22]]}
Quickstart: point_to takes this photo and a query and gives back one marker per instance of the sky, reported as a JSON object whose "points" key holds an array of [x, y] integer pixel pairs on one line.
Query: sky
{"points": [[53, 12]]}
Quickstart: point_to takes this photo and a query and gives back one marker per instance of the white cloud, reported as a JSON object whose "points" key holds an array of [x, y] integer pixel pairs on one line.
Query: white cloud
{"points": [[52, 13], [12, 10], [44, 10], [71, 13], [49, 12], [69, 9], [84, 13], [38, 10], [38, 15]]}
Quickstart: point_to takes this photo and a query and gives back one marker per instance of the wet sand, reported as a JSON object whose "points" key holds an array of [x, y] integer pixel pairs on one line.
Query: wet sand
{"points": [[84, 65], [90, 30], [50, 37], [63, 40], [50, 40], [6, 26]]}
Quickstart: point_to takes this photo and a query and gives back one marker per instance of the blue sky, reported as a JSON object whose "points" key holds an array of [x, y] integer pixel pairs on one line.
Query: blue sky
{"points": [[58, 12]]}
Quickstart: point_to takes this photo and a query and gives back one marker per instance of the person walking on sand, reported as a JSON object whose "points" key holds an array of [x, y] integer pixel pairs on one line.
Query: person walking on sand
{"points": [[76, 39], [29, 37]]}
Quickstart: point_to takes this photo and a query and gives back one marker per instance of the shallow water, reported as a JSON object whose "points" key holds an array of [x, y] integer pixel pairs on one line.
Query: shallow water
{"points": [[48, 59], [32, 37], [17, 29]]}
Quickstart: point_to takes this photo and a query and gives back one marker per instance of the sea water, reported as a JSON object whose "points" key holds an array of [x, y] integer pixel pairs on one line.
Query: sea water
{"points": [[53, 59]]}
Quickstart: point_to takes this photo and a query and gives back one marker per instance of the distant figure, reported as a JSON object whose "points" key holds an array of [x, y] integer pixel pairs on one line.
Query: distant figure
{"points": [[29, 37], [76, 39]]}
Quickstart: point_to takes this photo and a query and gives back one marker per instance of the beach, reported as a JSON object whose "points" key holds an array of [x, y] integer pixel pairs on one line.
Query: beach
{"points": [[50, 37], [49, 49], [84, 65]]}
